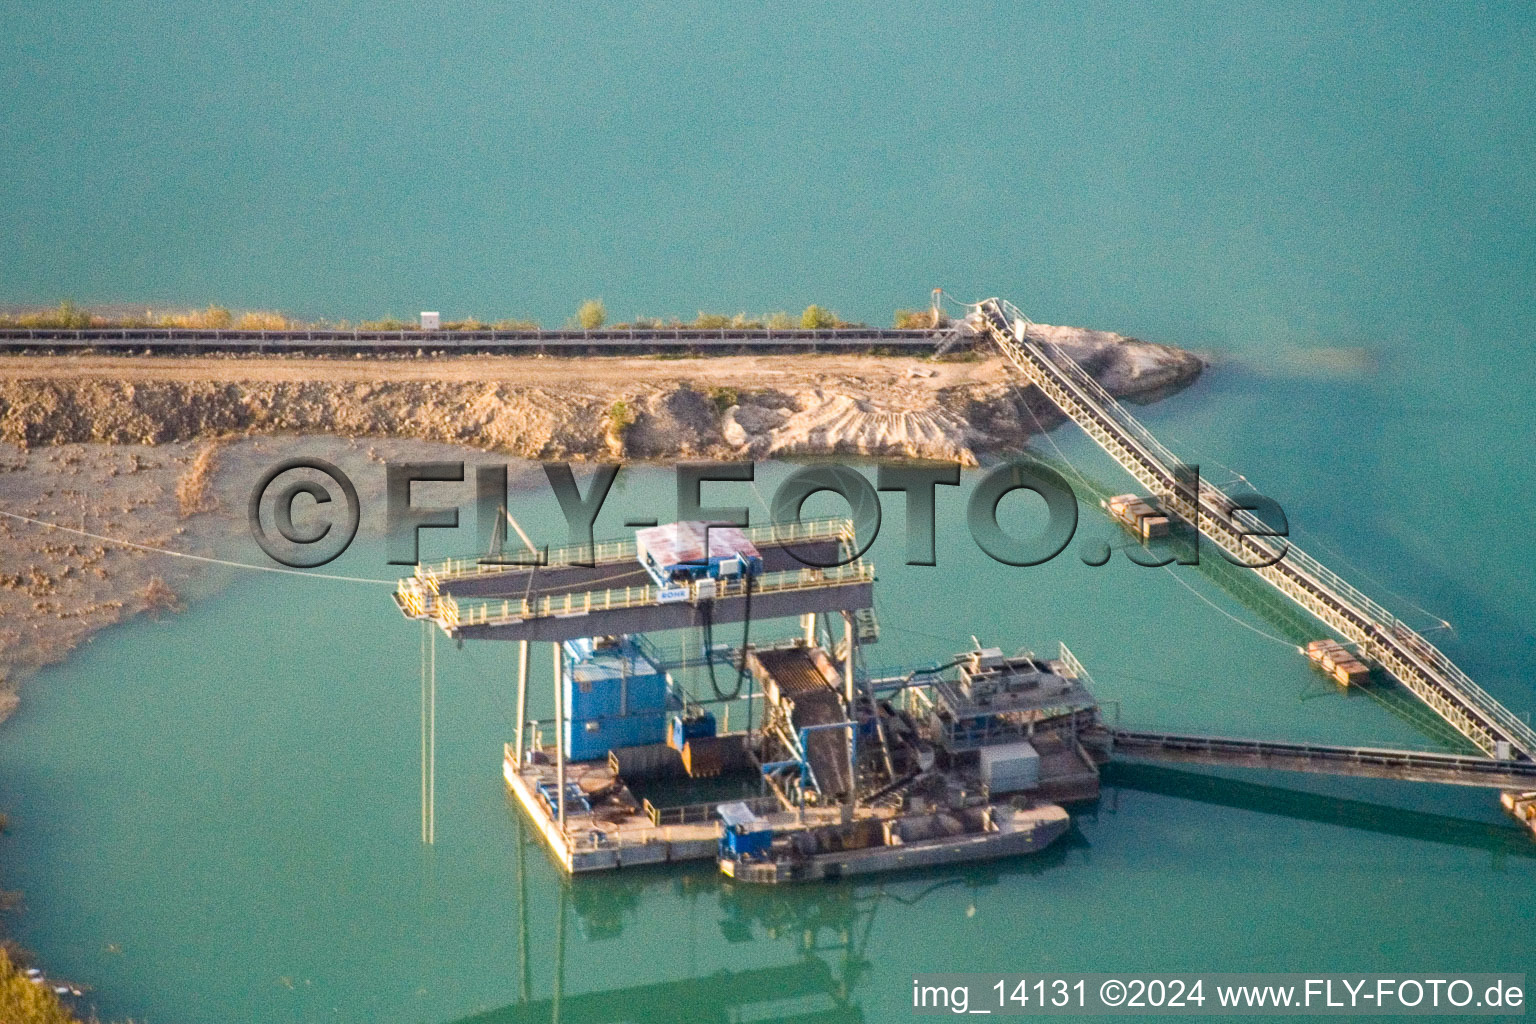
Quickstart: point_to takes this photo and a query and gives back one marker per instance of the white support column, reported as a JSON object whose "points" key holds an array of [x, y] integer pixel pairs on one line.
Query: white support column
{"points": [[432, 738], [426, 625], [522, 698], [559, 739], [853, 768], [808, 623]]}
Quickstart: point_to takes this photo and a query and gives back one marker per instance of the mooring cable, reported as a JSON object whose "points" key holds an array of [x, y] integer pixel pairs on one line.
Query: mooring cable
{"points": [[196, 558]]}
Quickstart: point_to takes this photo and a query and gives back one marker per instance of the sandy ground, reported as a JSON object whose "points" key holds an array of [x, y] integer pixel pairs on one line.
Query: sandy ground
{"points": [[595, 372], [726, 407]]}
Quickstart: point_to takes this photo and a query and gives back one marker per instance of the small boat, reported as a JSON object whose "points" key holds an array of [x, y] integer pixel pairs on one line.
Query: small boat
{"points": [[750, 852]]}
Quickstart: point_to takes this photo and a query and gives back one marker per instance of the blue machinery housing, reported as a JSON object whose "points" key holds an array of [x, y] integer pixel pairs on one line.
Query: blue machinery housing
{"points": [[614, 695], [746, 836]]}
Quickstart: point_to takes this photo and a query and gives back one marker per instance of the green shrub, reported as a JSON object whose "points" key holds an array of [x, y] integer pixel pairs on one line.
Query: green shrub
{"points": [[781, 321], [262, 320], [724, 398], [913, 319], [213, 318], [67, 316], [592, 314], [817, 318], [620, 418]]}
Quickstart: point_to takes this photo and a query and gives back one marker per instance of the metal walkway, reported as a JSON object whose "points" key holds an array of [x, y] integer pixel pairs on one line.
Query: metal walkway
{"points": [[1413, 660], [603, 589], [788, 546], [1369, 762], [640, 609]]}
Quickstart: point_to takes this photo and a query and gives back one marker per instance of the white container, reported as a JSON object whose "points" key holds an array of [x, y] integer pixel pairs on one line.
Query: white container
{"points": [[1010, 767], [431, 321]]}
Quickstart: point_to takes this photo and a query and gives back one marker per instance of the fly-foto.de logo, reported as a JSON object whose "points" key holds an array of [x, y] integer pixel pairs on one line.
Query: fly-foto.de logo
{"points": [[305, 512]]}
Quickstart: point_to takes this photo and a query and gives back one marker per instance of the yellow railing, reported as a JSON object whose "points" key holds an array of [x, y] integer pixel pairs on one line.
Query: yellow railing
{"points": [[452, 613], [412, 599]]}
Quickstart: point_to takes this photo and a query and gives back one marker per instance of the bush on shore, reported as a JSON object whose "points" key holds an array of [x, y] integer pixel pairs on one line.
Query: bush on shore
{"points": [[919, 319], [817, 318], [263, 320], [592, 314], [22, 1002], [621, 416], [724, 397], [66, 315]]}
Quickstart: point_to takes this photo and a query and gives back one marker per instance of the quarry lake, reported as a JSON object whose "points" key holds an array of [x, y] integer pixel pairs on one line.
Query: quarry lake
{"points": [[216, 812]]}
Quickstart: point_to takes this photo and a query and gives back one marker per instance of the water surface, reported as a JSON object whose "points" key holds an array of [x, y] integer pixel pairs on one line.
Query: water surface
{"points": [[215, 814]]}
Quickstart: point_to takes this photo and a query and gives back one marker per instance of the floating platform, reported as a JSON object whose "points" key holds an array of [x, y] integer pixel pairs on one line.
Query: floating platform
{"points": [[1338, 662], [1521, 806], [615, 830], [1143, 517]]}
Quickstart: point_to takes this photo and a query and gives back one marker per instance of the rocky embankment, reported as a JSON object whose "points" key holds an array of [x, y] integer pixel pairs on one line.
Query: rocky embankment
{"points": [[584, 408]]}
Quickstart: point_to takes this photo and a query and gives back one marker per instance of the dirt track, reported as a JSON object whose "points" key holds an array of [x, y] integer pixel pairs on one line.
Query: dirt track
{"points": [[594, 371]]}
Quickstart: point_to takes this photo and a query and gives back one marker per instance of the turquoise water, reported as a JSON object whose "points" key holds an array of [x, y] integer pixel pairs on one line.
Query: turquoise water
{"points": [[215, 814]]}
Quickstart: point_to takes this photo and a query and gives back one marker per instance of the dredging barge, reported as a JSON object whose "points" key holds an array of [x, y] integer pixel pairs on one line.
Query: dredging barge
{"points": [[964, 762], [838, 771]]}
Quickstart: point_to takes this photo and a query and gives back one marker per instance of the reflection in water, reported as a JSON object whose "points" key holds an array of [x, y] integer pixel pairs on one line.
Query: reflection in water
{"points": [[824, 946], [815, 937], [1330, 810], [824, 931]]}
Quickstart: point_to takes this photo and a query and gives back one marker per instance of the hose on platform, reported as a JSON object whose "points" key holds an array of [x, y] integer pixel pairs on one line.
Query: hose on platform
{"points": [[709, 646]]}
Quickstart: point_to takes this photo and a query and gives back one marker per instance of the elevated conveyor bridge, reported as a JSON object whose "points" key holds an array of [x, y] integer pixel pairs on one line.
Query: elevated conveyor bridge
{"points": [[603, 589], [1422, 668], [1368, 762]]}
